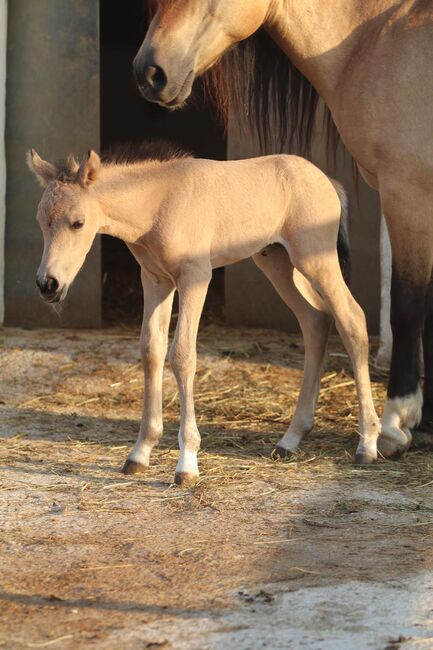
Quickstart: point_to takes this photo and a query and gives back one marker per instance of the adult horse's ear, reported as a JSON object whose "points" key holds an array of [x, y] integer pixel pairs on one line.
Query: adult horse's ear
{"points": [[89, 170], [43, 170]]}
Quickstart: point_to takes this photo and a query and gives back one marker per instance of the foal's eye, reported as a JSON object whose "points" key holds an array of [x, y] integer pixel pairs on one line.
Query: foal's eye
{"points": [[78, 224]]}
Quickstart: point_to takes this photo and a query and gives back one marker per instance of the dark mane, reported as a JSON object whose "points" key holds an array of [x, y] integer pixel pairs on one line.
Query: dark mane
{"points": [[260, 83], [257, 81], [160, 150]]}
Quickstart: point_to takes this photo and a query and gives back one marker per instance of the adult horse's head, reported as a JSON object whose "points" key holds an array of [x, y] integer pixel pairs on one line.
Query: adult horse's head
{"points": [[185, 38], [69, 217]]}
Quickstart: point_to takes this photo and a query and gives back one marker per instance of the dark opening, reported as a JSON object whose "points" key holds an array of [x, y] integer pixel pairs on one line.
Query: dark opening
{"points": [[125, 118]]}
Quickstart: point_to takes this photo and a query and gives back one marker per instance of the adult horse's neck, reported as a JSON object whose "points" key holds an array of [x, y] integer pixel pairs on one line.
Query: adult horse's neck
{"points": [[320, 37]]}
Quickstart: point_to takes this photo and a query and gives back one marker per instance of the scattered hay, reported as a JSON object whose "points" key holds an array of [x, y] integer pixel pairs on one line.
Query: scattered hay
{"points": [[86, 417]]}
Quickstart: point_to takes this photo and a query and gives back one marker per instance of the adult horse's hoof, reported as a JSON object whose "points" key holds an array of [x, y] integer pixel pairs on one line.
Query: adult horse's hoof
{"points": [[281, 452], [363, 459], [394, 441], [132, 467], [185, 479]]}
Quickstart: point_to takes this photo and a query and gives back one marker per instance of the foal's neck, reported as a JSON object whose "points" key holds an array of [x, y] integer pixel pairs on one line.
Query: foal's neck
{"points": [[129, 196], [320, 37]]}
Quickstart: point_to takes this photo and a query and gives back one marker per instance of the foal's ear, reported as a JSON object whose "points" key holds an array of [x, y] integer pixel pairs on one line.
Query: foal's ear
{"points": [[43, 170], [89, 170]]}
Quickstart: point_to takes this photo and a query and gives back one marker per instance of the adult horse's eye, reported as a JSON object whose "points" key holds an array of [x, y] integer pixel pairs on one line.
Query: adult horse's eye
{"points": [[78, 224]]}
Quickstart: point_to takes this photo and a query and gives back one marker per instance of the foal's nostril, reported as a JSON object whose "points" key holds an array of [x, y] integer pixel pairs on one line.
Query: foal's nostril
{"points": [[51, 285], [155, 77], [47, 286]]}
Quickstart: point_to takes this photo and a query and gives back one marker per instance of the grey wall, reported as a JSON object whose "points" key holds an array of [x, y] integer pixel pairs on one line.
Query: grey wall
{"points": [[251, 300], [52, 105], [3, 35]]}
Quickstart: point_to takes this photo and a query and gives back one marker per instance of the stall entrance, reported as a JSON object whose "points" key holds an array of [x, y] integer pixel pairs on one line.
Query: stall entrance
{"points": [[126, 119]]}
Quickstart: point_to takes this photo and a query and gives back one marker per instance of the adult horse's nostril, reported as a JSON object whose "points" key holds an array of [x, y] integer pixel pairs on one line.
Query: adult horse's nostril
{"points": [[155, 77]]}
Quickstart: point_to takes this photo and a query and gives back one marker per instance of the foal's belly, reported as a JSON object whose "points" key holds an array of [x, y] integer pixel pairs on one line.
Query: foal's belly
{"points": [[234, 252]]}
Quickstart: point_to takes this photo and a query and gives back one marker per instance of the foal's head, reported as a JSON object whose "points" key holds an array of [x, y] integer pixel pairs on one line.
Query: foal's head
{"points": [[69, 217], [185, 38]]}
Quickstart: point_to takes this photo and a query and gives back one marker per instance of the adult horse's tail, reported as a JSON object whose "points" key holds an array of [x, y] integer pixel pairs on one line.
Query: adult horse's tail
{"points": [[343, 240]]}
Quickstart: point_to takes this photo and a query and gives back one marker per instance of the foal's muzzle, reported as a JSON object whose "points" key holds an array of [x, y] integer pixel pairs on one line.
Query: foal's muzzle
{"points": [[49, 289]]}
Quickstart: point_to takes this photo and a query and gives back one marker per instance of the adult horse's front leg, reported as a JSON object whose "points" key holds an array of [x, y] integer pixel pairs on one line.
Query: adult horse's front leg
{"points": [[412, 247], [192, 287], [158, 300], [427, 342]]}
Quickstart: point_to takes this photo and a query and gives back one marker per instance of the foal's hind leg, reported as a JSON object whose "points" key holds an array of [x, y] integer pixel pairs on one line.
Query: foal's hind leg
{"points": [[158, 300], [319, 263], [315, 324]]}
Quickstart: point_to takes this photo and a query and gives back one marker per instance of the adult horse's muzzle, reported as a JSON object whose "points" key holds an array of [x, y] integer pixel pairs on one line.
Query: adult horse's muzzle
{"points": [[50, 289], [153, 83]]}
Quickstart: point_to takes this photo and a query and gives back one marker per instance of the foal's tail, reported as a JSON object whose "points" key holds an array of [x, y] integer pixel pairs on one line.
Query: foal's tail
{"points": [[343, 241]]}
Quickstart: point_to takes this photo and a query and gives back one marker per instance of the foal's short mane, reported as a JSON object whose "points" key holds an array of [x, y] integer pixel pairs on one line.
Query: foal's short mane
{"points": [[67, 169], [152, 150], [125, 154], [257, 80]]}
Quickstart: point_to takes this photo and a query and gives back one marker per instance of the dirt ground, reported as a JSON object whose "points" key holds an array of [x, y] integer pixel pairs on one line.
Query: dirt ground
{"points": [[262, 553]]}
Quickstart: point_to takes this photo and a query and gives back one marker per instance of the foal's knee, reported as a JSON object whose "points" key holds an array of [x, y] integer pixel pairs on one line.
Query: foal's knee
{"points": [[152, 349], [182, 360]]}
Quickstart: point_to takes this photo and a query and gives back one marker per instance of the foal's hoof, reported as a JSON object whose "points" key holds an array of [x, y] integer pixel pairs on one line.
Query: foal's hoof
{"points": [[281, 452], [132, 467], [185, 479], [363, 459]]}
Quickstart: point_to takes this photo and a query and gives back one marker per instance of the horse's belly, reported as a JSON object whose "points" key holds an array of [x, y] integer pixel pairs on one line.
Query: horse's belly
{"points": [[233, 250]]}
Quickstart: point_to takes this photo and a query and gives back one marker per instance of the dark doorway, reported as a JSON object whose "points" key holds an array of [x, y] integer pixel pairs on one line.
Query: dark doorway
{"points": [[126, 118]]}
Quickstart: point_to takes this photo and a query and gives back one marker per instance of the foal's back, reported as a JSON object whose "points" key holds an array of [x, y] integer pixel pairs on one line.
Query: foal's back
{"points": [[235, 208]]}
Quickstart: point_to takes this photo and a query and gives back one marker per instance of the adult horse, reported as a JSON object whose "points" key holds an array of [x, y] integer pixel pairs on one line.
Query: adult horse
{"points": [[371, 64]]}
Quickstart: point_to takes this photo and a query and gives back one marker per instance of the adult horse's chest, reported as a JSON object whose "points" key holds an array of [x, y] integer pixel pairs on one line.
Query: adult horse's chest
{"points": [[383, 105]]}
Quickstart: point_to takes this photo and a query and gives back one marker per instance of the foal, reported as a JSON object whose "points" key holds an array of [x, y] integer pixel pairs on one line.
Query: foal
{"points": [[181, 218]]}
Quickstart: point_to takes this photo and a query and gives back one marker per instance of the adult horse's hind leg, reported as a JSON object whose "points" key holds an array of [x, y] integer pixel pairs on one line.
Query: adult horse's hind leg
{"points": [[158, 300], [315, 324], [411, 233]]}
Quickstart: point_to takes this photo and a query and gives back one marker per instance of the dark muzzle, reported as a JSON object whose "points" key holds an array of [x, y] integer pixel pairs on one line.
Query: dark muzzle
{"points": [[49, 289]]}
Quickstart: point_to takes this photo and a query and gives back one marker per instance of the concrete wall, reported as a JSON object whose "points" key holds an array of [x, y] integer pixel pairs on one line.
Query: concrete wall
{"points": [[3, 35], [52, 104], [251, 299]]}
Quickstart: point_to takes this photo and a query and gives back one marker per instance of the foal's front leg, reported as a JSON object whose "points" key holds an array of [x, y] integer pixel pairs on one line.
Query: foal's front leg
{"points": [[158, 300], [192, 288]]}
